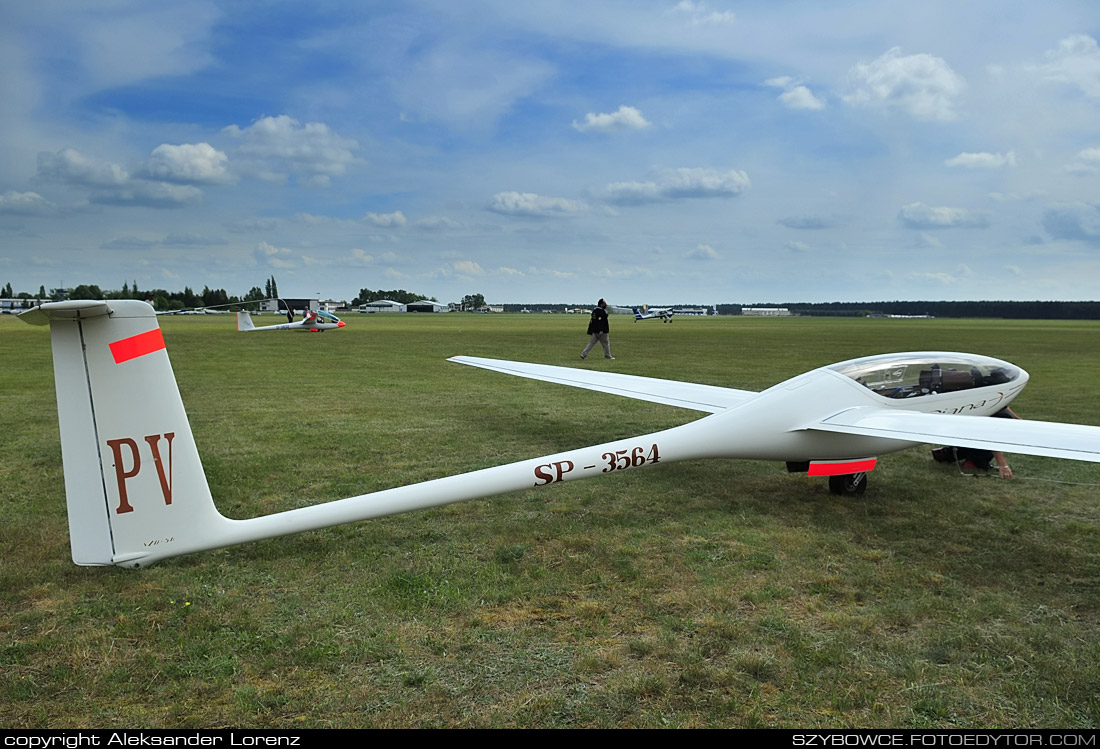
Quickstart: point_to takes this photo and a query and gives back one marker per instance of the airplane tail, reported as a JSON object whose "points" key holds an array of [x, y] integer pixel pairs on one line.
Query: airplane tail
{"points": [[133, 478], [244, 321], [637, 314], [134, 485]]}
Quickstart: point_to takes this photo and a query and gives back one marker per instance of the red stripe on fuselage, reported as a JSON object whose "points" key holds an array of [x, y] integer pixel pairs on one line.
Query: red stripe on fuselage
{"points": [[841, 467], [137, 345]]}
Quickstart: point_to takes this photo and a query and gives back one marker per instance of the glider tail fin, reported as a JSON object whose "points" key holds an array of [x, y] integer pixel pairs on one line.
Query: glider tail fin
{"points": [[133, 478], [244, 321]]}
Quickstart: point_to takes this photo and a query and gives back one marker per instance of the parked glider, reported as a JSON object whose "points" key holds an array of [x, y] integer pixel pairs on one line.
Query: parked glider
{"points": [[136, 491], [314, 321]]}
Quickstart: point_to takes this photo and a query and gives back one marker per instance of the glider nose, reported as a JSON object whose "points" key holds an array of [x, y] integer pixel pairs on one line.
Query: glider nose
{"points": [[341, 324]]}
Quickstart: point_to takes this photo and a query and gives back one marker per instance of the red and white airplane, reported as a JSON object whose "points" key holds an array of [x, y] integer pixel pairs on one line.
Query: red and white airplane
{"points": [[314, 321], [136, 491]]}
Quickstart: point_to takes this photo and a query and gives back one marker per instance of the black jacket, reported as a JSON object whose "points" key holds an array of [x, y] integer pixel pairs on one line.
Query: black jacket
{"points": [[598, 322]]}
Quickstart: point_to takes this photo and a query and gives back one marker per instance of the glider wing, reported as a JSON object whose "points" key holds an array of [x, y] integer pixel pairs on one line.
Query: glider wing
{"points": [[1046, 438], [709, 398]]}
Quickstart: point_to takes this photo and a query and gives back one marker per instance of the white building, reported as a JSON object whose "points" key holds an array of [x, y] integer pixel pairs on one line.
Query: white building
{"points": [[427, 305], [766, 311], [382, 305]]}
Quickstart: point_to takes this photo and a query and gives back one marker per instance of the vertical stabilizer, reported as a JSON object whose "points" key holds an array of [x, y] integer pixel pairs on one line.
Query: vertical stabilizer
{"points": [[133, 479], [244, 321]]}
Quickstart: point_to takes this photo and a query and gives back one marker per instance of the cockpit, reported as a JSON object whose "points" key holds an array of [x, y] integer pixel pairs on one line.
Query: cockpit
{"points": [[912, 375], [323, 316]]}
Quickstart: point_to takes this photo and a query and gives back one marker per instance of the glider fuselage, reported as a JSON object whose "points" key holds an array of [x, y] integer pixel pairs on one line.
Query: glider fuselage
{"points": [[772, 425]]}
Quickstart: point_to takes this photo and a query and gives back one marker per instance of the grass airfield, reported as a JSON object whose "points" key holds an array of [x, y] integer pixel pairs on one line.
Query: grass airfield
{"points": [[698, 594]]}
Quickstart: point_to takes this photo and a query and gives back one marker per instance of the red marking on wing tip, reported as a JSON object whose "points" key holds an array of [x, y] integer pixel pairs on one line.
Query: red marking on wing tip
{"points": [[137, 345], [841, 467]]}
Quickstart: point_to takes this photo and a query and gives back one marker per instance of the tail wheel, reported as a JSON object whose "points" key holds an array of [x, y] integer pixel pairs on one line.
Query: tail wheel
{"points": [[848, 484]]}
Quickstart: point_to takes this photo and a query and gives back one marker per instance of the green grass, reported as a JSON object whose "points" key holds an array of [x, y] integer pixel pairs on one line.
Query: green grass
{"points": [[697, 594]]}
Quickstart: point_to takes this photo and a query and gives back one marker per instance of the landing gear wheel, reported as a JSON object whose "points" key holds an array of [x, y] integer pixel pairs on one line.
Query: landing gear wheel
{"points": [[848, 484]]}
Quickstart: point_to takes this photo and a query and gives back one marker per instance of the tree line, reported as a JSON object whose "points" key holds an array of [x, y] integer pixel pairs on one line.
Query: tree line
{"points": [[1011, 310], [162, 299], [394, 295]]}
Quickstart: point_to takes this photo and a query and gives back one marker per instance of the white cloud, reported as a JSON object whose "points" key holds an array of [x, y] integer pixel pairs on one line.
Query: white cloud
{"points": [[24, 203], [796, 246], [129, 243], [795, 95], [272, 256], [468, 268], [811, 223], [530, 204], [71, 167], [1086, 162], [312, 219], [553, 273], [111, 184], [983, 160], [386, 220], [194, 163], [945, 279], [704, 183], [680, 183], [923, 240], [922, 85], [1076, 61], [631, 193], [625, 118], [282, 144], [801, 97], [620, 273], [921, 216], [703, 252], [698, 13]]}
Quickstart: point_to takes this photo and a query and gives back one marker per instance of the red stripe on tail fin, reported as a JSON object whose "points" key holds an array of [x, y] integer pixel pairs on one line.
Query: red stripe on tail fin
{"points": [[137, 345]]}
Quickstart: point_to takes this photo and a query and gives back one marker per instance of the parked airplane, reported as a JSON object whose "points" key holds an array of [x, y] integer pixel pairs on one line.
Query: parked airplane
{"points": [[315, 321], [136, 491], [664, 314]]}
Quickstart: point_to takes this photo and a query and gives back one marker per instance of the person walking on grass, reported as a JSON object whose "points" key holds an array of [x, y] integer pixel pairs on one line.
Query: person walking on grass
{"points": [[599, 330]]}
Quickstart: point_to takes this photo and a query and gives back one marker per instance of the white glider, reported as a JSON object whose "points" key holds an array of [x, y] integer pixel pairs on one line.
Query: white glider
{"points": [[314, 321], [136, 491]]}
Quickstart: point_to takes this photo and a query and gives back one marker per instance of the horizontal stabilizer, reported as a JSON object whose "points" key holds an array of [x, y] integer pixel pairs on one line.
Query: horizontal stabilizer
{"points": [[77, 309], [709, 398], [1053, 440]]}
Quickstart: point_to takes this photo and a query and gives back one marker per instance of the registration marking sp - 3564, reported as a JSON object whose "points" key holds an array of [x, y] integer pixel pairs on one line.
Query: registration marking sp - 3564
{"points": [[619, 460]]}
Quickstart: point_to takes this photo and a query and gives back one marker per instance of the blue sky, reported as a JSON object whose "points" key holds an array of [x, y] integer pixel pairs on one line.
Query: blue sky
{"points": [[646, 152]]}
